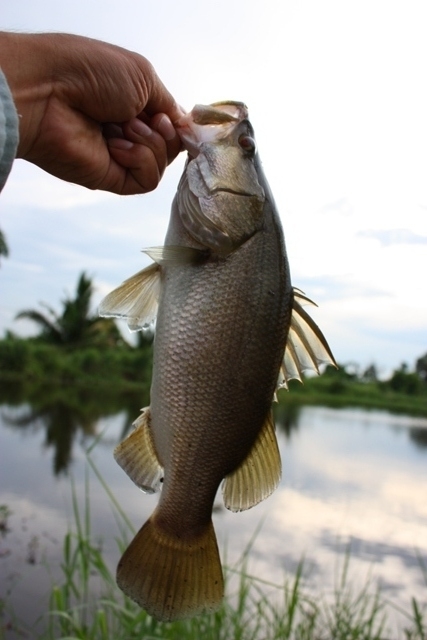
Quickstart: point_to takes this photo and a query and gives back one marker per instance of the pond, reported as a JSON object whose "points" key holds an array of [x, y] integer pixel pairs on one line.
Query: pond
{"points": [[354, 482]]}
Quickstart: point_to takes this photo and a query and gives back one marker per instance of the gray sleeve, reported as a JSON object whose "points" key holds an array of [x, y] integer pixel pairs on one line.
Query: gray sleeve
{"points": [[9, 130]]}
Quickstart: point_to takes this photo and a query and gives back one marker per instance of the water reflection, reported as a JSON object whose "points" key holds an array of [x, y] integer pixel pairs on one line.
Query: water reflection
{"points": [[287, 417], [64, 412], [418, 436]]}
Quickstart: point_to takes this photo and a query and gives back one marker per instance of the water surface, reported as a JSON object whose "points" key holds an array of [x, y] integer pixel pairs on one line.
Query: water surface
{"points": [[352, 480]]}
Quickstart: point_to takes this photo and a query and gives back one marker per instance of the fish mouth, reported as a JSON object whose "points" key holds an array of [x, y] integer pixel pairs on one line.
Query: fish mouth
{"points": [[209, 123]]}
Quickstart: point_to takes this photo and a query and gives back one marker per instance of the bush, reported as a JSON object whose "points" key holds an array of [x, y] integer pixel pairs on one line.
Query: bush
{"points": [[409, 383], [14, 355], [90, 361]]}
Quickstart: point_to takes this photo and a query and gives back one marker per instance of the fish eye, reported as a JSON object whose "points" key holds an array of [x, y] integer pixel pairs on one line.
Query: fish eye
{"points": [[247, 143]]}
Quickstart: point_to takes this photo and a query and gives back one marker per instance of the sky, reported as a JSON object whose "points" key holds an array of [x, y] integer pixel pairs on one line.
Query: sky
{"points": [[336, 95]]}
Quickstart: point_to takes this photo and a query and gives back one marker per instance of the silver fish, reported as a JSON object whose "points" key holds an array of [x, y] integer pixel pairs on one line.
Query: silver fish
{"points": [[230, 330]]}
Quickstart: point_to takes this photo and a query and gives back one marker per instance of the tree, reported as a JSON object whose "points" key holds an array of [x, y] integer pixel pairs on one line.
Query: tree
{"points": [[75, 325], [370, 374], [403, 381], [421, 367]]}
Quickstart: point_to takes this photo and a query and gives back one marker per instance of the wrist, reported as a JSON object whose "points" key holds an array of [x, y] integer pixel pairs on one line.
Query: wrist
{"points": [[25, 60]]}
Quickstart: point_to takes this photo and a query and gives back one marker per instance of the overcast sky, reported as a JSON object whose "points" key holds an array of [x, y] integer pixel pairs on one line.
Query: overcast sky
{"points": [[337, 96]]}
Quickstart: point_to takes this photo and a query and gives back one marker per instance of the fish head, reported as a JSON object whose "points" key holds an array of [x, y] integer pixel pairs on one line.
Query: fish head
{"points": [[220, 197]]}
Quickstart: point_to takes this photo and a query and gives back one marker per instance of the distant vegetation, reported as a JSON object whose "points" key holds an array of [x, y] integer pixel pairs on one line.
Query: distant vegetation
{"points": [[76, 347], [405, 390]]}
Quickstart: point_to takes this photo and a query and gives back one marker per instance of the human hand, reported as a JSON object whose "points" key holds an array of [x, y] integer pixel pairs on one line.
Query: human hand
{"points": [[90, 112]]}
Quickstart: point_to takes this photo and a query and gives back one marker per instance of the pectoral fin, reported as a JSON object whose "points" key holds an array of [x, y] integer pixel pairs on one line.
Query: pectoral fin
{"points": [[306, 346], [137, 456], [135, 299], [174, 255], [258, 475]]}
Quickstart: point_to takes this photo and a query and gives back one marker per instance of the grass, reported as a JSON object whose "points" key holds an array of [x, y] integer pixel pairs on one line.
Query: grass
{"points": [[253, 609], [86, 604]]}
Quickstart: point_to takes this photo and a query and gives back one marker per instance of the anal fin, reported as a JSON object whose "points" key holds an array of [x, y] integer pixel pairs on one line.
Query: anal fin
{"points": [[258, 475], [137, 456]]}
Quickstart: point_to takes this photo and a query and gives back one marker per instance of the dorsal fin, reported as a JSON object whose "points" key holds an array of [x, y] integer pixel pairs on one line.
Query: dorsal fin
{"points": [[306, 346]]}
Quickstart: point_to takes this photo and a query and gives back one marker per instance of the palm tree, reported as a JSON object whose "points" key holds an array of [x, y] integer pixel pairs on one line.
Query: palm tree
{"points": [[75, 325]]}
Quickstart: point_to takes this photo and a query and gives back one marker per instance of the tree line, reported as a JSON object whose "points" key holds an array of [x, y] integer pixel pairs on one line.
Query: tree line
{"points": [[78, 331]]}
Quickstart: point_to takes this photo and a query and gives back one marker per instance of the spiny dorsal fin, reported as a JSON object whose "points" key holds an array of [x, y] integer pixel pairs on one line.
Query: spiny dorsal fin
{"points": [[137, 456], [306, 346], [258, 475]]}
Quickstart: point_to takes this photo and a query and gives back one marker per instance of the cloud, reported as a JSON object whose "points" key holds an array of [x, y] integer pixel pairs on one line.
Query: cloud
{"points": [[341, 207], [329, 288], [29, 186], [388, 237]]}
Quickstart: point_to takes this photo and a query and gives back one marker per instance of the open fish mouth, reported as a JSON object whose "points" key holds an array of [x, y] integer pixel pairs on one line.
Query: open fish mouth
{"points": [[209, 123]]}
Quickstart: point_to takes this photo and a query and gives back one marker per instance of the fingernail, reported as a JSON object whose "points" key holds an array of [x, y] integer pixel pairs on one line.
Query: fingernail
{"points": [[140, 128], [166, 128], [120, 143]]}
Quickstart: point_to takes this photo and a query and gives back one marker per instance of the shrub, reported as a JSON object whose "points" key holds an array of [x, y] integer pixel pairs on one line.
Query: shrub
{"points": [[13, 355]]}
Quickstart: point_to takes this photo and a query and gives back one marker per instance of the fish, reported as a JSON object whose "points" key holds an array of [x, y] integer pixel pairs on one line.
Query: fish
{"points": [[230, 330]]}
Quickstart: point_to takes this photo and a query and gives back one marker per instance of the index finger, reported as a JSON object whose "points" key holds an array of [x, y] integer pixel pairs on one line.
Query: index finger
{"points": [[160, 100]]}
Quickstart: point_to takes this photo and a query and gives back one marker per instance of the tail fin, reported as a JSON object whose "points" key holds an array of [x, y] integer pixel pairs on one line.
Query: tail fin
{"points": [[172, 577]]}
